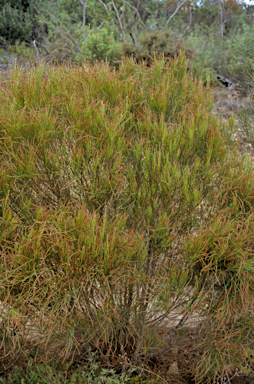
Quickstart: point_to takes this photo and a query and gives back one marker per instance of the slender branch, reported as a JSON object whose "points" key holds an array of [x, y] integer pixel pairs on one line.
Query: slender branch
{"points": [[119, 20], [143, 308], [95, 29], [136, 9], [188, 24], [84, 4], [160, 318], [147, 370], [42, 45], [221, 20], [133, 40], [170, 337], [105, 6], [106, 9], [179, 5], [72, 41], [36, 49]]}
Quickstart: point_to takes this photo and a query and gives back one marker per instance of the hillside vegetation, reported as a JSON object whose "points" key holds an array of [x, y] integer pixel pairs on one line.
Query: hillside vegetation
{"points": [[217, 35], [125, 212]]}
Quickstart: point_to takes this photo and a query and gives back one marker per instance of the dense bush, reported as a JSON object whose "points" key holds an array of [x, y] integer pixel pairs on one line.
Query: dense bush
{"points": [[17, 21], [241, 48], [154, 44], [116, 29], [210, 53], [122, 209], [101, 45], [88, 374], [230, 56]]}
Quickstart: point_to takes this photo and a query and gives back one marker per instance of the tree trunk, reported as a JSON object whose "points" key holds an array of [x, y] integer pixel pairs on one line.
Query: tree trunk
{"points": [[84, 4]]}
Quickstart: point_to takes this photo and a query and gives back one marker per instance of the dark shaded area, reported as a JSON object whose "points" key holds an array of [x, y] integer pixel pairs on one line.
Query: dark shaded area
{"points": [[18, 22]]}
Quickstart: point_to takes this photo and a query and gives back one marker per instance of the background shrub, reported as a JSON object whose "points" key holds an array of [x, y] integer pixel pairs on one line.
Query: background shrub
{"points": [[87, 374], [246, 115], [154, 44], [101, 45], [17, 21]]}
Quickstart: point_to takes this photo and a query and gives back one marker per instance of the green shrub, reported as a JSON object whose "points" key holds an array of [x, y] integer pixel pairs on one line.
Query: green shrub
{"points": [[22, 52], [210, 54], [230, 56], [15, 23], [122, 206], [101, 45], [246, 115], [88, 374], [3, 58], [154, 44], [241, 48], [246, 120]]}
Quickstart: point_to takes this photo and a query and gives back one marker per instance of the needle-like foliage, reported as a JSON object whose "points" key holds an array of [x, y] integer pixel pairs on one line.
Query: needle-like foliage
{"points": [[123, 209]]}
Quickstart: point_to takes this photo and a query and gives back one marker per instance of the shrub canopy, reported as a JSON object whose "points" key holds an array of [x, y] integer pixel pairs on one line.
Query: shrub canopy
{"points": [[123, 205]]}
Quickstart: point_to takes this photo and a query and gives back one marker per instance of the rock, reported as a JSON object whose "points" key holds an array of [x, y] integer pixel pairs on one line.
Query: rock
{"points": [[226, 82]]}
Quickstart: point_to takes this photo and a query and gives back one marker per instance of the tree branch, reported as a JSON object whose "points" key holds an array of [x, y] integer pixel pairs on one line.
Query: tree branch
{"points": [[84, 4], [222, 22], [188, 24], [105, 6], [133, 40], [71, 40], [36, 49], [179, 5], [136, 9], [119, 20]]}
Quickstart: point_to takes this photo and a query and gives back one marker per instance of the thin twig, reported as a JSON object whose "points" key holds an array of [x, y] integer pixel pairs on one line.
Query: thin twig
{"points": [[136, 9], [95, 29], [72, 41], [106, 9], [119, 20], [171, 337], [188, 24], [36, 49], [229, 381], [105, 6], [42, 45], [133, 40], [179, 5], [147, 370]]}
